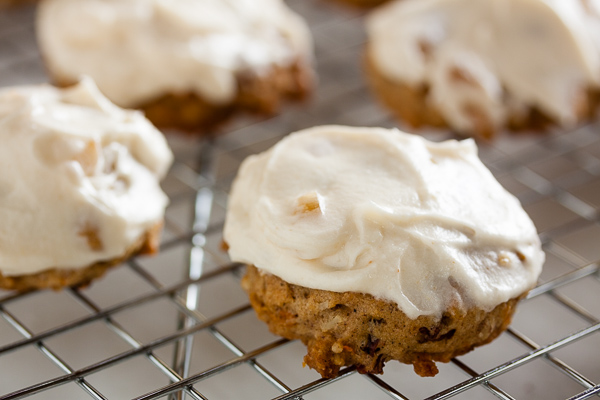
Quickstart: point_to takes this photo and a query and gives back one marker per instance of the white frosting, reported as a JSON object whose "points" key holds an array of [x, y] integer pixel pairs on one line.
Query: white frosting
{"points": [[515, 53], [137, 50], [72, 165], [383, 212]]}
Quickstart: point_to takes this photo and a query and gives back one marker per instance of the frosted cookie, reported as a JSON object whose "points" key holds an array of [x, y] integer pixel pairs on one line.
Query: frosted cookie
{"points": [[79, 185], [189, 64], [372, 245], [478, 67]]}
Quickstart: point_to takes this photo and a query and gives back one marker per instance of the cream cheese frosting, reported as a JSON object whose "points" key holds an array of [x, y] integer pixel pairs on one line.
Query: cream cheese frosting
{"points": [[138, 50], [501, 57], [78, 178], [382, 212]]}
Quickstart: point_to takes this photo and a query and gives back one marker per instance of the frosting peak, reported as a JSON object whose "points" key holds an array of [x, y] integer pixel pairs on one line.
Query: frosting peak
{"points": [[382, 212]]}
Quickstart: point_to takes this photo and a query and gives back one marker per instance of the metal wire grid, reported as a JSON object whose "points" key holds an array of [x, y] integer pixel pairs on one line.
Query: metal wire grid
{"points": [[179, 326]]}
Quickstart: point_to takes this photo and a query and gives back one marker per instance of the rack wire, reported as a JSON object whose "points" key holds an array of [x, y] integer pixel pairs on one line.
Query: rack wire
{"points": [[178, 325]]}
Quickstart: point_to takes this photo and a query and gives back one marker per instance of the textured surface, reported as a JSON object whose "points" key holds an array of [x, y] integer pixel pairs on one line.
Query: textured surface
{"points": [[125, 335], [57, 279], [354, 329], [413, 106], [257, 94]]}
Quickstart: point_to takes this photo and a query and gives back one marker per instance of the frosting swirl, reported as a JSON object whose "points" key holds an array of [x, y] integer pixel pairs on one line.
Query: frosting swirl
{"points": [[382, 212]]}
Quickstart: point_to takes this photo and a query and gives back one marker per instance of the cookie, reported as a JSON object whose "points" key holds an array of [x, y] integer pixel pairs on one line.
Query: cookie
{"points": [[79, 185], [479, 68], [372, 245], [190, 65]]}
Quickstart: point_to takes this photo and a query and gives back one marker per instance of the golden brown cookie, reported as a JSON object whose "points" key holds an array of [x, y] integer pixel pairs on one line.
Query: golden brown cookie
{"points": [[411, 105], [58, 278], [262, 95], [344, 329], [15, 3]]}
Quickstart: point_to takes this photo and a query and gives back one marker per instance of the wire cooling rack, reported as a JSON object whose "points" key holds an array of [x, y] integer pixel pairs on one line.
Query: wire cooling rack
{"points": [[179, 326]]}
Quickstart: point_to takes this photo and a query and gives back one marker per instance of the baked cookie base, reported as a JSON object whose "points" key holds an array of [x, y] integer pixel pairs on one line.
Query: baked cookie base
{"points": [[15, 3], [410, 104], [344, 329], [261, 95], [57, 278], [257, 94]]}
